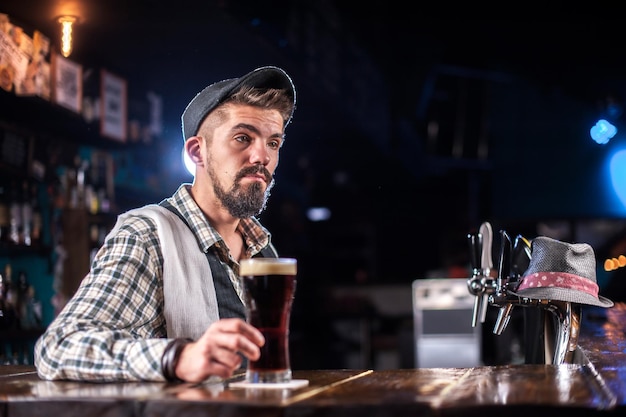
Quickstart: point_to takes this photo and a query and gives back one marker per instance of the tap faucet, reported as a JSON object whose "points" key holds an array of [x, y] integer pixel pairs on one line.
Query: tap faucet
{"points": [[481, 284], [561, 326], [565, 329], [499, 298]]}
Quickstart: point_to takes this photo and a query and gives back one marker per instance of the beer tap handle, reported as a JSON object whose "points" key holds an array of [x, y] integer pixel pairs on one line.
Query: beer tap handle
{"points": [[474, 283], [504, 269], [504, 265], [486, 265], [475, 241], [520, 257], [486, 259]]}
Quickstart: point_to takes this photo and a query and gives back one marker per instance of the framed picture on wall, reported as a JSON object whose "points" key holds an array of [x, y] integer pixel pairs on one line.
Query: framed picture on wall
{"points": [[68, 83], [113, 106]]}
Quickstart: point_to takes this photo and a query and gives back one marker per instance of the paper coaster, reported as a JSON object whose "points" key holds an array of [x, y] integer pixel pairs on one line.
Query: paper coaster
{"points": [[294, 383]]}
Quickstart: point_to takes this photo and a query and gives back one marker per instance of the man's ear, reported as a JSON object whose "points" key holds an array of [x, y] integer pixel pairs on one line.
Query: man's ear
{"points": [[193, 147]]}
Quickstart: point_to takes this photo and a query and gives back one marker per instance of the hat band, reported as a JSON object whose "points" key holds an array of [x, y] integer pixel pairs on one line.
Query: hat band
{"points": [[559, 280]]}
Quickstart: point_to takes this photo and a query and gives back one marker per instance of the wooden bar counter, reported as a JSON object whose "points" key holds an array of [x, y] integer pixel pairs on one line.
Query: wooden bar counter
{"points": [[596, 386]]}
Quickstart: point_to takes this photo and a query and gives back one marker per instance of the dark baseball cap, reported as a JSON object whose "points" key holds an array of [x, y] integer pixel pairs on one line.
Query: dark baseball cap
{"points": [[208, 99]]}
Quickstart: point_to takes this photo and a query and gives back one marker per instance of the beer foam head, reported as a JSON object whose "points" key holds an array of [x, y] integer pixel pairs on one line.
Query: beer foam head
{"points": [[268, 266]]}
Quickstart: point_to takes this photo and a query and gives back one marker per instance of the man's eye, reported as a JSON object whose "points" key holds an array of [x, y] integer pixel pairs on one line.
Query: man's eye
{"points": [[243, 138], [274, 144]]}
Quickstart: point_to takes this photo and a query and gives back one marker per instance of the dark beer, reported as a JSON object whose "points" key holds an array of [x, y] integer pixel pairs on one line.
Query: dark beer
{"points": [[269, 287]]}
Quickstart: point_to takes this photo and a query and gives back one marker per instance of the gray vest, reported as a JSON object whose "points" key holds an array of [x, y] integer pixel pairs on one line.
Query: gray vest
{"points": [[199, 293]]}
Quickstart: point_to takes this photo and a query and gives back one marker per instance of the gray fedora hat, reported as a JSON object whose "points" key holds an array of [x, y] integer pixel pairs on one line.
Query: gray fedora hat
{"points": [[210, 97], [563, 272]]}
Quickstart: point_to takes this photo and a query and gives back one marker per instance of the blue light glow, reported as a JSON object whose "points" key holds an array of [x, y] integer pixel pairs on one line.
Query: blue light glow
{"points": [[603, 131], [618, 175]]}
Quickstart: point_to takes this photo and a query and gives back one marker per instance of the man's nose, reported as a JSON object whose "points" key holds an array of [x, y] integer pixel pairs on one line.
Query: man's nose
{"points": [[260, 154]]}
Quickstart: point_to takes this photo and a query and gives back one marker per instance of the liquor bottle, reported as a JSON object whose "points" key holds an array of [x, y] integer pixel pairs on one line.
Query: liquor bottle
{"points": [[4, 213], [22, 292], [91, 197], [27, 214], [3, 325], [37, 223], [15, 214], [10, 299], [81, 181], [4, 321]]}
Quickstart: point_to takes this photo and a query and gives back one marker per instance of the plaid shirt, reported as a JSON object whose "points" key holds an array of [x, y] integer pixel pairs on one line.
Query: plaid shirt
{"points": [[113, 328]]}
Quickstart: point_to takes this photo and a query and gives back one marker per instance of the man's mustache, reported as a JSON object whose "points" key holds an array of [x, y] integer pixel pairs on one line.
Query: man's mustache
{"points": [[257, 169]]}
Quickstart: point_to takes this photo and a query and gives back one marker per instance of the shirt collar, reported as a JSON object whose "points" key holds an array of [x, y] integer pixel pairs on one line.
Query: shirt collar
{"points": [[255, 236]]}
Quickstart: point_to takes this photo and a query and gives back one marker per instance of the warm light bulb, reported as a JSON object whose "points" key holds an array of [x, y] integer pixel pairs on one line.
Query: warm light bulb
{"points": [[67, 23], [608, 265]]}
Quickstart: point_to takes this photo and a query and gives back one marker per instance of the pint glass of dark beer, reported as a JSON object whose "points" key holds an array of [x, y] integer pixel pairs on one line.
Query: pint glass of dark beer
{"points": [[269, 285]]}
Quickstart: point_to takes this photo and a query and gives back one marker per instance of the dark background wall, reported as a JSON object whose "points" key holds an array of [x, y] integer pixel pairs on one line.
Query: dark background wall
{"points": [[412, 129]]}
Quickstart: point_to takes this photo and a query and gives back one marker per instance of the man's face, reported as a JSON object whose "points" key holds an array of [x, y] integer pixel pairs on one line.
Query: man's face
{"points": [[242, 156]]}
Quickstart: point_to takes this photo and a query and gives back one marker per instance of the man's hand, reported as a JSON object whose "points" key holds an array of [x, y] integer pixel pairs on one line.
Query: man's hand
{"points": [[217, 351]]}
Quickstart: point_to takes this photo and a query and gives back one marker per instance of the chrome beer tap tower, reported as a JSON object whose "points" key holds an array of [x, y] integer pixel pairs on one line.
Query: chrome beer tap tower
{"points": [[551, 327]]}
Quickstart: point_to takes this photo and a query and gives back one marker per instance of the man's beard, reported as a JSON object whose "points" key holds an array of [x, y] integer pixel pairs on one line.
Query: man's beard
{"points": [[244, 202]]}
